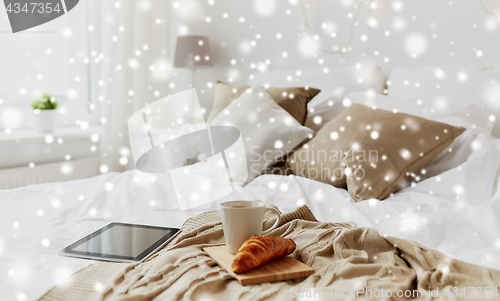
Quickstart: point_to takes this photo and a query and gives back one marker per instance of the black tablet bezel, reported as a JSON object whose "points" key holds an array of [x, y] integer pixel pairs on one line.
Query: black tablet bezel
{"points": [[68, 249]]}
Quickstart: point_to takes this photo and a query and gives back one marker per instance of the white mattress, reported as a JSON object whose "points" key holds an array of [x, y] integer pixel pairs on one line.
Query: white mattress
{"points": [[457, 213]]}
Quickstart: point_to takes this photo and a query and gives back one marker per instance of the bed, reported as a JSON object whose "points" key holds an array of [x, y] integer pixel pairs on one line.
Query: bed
{"points": [[454, 209]]}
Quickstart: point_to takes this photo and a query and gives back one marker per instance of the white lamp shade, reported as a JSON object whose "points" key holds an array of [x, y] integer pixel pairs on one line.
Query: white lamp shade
{"points": [[192, 51]]}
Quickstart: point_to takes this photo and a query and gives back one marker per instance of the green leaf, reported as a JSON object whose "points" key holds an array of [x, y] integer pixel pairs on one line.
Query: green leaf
{"points": [[45, 102]]}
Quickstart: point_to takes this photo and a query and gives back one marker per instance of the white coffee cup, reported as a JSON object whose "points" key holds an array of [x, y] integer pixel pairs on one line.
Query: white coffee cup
{"points": [[243, 219]]}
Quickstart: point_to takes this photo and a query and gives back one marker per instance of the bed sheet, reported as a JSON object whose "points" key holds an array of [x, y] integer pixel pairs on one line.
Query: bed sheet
{"points": [[456, 212]]}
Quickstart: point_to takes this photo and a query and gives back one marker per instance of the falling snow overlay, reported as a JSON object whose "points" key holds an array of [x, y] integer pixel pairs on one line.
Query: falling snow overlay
{"points": [[105, 60]]}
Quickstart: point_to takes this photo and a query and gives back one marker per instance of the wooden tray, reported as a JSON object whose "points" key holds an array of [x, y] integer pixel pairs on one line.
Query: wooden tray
{"points": [[283, 269]]}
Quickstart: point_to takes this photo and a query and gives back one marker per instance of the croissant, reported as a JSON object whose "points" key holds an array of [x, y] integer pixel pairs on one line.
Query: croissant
{"points": [[259, 250]]}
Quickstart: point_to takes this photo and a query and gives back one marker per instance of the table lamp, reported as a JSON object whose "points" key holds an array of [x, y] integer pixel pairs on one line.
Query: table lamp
{"points": [[192, 52]]}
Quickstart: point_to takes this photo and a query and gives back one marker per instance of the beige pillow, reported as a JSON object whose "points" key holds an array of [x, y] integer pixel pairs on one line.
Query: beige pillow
{"points": [[294, 99], [371, 152]]}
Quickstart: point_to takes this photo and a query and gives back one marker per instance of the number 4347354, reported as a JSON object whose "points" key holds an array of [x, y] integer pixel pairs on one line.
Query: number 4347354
{"points": [[471, 291], [32, 8]]}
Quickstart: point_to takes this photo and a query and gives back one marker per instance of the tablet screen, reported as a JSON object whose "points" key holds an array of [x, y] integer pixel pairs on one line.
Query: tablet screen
{"points": [[122, 241]]}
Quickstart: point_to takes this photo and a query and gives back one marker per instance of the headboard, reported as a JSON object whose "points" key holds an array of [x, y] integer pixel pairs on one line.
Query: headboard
{"points": [[441, 85], [452, 85]]}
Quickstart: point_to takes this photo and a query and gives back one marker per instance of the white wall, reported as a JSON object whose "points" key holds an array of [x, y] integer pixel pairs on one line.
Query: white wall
{"points": [[441, 32]]}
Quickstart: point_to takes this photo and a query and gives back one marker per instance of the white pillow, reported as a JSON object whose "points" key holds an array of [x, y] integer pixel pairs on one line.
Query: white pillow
{"points": [[334, 84], [444, 87], [268, 131], [183, 149], [457, 153]]}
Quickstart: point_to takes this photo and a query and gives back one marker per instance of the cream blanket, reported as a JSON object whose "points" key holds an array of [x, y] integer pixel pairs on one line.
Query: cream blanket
{"points": [[349, 263]]}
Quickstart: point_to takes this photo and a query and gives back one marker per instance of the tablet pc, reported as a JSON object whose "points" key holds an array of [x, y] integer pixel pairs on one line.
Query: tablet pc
{"points": [[121, 242]]}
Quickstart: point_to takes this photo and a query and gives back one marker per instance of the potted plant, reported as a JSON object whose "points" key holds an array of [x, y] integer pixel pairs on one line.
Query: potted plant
{"points": [[45, 113]]}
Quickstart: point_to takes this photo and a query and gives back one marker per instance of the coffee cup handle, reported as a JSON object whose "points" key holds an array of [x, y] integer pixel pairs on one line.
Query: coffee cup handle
{"points": [[275, 223]]}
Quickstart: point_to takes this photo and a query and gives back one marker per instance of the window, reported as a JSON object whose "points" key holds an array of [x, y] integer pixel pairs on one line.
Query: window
{"points": [[53, 58]]}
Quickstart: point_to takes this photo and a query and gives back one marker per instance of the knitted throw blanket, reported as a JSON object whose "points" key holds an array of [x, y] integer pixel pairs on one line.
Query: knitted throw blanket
{"points": [[349, 263]]}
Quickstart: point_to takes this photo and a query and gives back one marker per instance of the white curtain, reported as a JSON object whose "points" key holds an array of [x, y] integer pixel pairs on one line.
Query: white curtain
{"points": [[130, 39]]}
